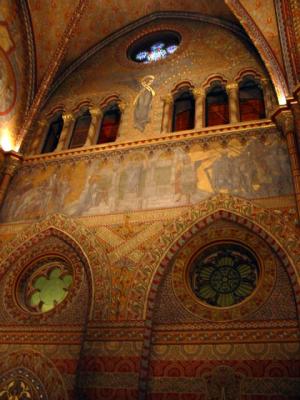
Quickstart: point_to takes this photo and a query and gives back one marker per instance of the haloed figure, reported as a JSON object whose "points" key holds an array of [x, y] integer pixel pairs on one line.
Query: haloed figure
{"points": [[143, 103]]}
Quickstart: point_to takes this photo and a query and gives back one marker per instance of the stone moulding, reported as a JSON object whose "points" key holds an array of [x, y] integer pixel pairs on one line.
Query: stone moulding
{"points": [[221, 134]]}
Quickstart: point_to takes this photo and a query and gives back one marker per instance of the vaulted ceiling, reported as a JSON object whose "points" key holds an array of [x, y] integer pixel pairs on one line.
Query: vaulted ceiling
{"points": [[61, 33], [101, 18]]}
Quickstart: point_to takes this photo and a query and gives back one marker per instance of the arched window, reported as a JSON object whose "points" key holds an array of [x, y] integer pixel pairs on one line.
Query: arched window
{"points": [[183, 112], [80, 131], [217, 112], [251, 100], [53, 134], [110, 125]]}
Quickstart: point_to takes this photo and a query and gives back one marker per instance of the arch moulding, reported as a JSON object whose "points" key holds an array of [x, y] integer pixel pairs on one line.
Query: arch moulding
{"points": [[273, 227], [263, 48], [84, 243]]}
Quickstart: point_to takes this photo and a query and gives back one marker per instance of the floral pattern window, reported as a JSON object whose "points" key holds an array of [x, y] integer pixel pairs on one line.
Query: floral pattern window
{"points": [[46, 284], [154, 47], [224, 274]]}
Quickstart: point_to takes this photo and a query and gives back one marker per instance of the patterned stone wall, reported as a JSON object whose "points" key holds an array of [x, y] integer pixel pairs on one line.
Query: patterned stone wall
{"points": [[124, 216], [110, 72]]}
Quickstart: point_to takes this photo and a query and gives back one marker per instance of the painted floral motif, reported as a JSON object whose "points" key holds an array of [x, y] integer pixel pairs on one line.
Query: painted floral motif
{"points": [[15, 390]]}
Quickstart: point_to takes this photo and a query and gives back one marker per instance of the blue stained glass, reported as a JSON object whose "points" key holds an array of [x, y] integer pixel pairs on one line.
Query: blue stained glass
{"points": [[142, 55], [157, 55], [156, 50], [172, 49], [157, 46]]}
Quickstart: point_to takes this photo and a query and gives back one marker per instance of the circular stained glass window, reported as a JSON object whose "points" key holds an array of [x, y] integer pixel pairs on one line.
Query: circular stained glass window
{"points": [[154, 47], [224, 274], [46, 284]]}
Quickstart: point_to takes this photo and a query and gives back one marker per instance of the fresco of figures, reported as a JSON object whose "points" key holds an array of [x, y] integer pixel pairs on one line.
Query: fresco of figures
{"points": [[141, 182]]}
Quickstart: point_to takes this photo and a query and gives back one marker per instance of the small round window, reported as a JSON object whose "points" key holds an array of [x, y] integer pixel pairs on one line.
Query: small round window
{"points": [[45, 284], [154, 47], [224, 274]]}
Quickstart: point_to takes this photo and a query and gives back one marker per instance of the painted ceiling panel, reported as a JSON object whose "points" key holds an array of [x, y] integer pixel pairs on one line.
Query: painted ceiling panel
{"points": [[264, 15], [108, 16], [49, 19]]}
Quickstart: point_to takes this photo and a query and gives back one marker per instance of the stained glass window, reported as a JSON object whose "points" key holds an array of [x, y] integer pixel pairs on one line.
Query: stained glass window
{"points": [[46, 284], [53, 135], [224, 274], [154, 47]]}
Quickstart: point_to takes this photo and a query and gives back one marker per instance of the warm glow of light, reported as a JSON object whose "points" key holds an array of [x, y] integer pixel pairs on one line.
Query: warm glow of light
{"points": [[6, 140], [282, 99]]}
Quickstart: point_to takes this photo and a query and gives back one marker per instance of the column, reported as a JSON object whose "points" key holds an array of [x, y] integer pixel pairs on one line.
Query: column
{"points": [[284, 120], [64, 136], [12, 161], [199, 95], [268, 98], [233, 99], [96, 114], [122, 108], [39, 137], [167, 113]]}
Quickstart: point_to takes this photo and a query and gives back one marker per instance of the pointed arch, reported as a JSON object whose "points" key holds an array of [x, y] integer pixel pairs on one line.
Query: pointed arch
{"points": [[84, 243], [263, 222]]}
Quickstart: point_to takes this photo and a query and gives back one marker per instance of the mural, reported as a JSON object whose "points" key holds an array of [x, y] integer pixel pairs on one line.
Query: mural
{"points": [[142, 103], [13, 64], [140, 182]]}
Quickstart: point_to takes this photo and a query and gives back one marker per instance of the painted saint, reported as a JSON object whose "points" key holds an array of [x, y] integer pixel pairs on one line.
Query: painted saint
{"points": [[143, 102]]}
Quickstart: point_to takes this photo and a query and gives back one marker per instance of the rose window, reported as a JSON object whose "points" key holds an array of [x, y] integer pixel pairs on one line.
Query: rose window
{"points": [[46, 284], [223, 275], [154, 47]]}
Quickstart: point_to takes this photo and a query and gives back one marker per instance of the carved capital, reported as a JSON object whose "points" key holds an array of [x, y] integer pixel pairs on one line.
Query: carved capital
{"points": [[198, 93], [265, 82], [230, 87], [96, 112], [122, 106], [12, 162], [68, 118], [284, 120], [167, 99]]}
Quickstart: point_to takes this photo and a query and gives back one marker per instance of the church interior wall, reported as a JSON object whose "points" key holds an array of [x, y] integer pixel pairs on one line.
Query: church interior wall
{"points": [[129, 216]]}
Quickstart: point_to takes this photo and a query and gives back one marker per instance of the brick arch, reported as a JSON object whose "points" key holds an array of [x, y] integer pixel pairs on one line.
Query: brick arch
{"points": [[242, 216], [83, 242]]}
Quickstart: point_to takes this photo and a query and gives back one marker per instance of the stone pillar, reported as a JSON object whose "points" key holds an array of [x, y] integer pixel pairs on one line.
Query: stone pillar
{"points": [[96, 114], [68, 122], [12, 161], [233, 99], [199, 95], [39, 137], [284, 120], [122, 108], [268, 98], [167, 113]]}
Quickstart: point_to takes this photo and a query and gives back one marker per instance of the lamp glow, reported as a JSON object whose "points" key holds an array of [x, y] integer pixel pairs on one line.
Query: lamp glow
{"points": [[6, 140], [282, 100]]}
